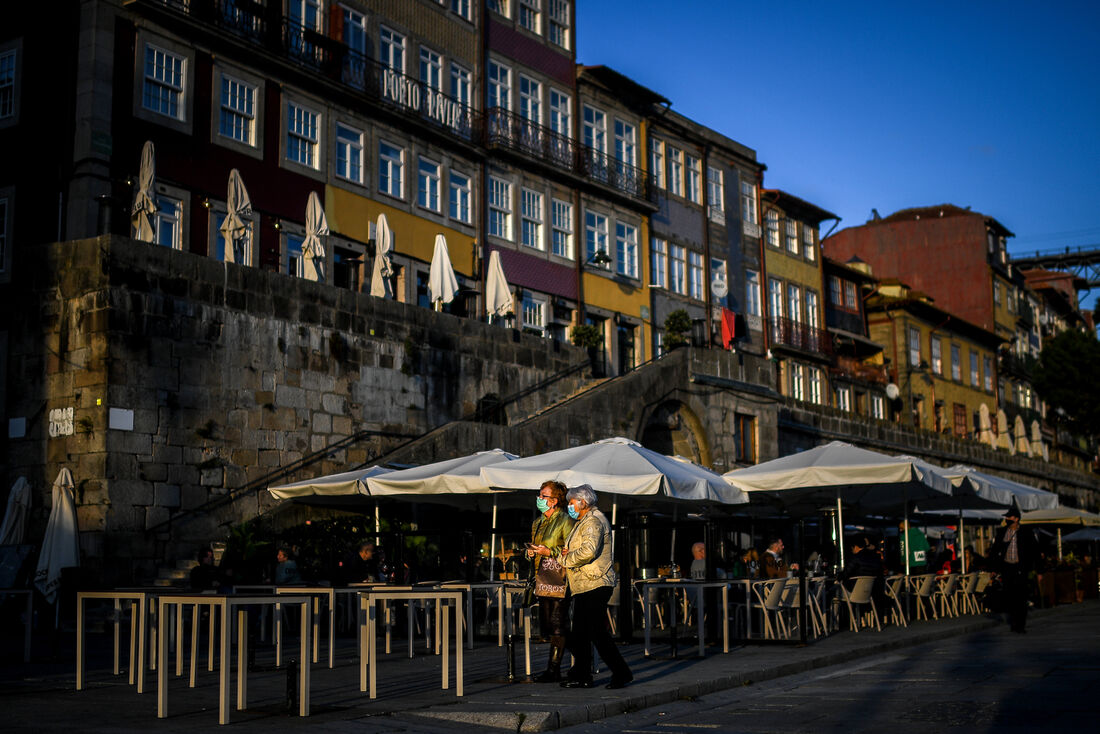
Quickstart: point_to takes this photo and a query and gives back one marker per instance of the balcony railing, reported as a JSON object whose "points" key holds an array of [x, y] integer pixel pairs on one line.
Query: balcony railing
{"points": [[796, 335], [1017, 365]]}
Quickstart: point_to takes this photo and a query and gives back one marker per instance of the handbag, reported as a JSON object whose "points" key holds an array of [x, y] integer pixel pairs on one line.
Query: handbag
{"points": [[550, 578]]}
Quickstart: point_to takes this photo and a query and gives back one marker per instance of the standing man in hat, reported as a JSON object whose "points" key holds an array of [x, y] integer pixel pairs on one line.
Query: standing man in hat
{"points": [[1013, 555]]}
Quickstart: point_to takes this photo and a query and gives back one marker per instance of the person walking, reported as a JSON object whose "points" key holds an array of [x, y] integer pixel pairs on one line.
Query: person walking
{"points": [[588, 566], [1013, 554], [548, 534]]}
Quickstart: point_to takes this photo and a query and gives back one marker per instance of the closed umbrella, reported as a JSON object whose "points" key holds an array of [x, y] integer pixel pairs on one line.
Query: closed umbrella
{"points": [[145, 200], [1038, 448], [61, 545], [985, 426], [498, 296], [442, 284], [380, 285], [1004, 439], [15, 517], [1023, 446], [313, 249], [237, 226]]}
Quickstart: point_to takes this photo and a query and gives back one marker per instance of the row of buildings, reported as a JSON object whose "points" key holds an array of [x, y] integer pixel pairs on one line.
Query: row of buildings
{"points": [[474, 120]]}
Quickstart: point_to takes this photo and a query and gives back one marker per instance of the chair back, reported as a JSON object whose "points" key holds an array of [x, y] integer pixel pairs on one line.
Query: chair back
{"points": [[792, 594], [984, 577], [947, 583], [769, 593], [893, 586], [861, 591], [968, 583], [925, 584]]}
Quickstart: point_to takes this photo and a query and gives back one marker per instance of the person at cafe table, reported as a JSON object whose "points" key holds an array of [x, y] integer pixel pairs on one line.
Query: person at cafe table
{"points": [[773, 566], [588, 568], [548, 534]]}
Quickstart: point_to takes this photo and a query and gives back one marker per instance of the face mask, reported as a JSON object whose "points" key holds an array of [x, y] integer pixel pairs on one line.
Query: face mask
{"points": [[543, 504], [573, 513]]}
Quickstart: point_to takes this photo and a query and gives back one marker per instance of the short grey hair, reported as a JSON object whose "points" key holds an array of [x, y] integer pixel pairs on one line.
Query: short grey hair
{"points": [[584, 493]]}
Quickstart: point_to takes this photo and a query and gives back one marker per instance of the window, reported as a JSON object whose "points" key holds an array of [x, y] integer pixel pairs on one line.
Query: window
{"points": [[427, 184], [695, 275], [237, 118], [460, 197], [658, 263], [349, 153], [302, 135], [162, 90], [500, 208], [560, 112], [392, 49], [987, 363], [694, 180], [960, 421], [836, 291], [531, 218], [530, 95], [748, 203], [843, 395], [595, 235], [937, 355], [168, 224], [303, 15], [975, 378], [752, 293], [558, 13], [678, 269], [460, 84], [529, 15], [914, 346], [498, 6], [676, 171], [500, 86], [956, 363], [431, 69], [391, 170], [534, 313], [626, 249], [808, 248], [771, 223], [815, 386], [595, 129], [295, 264], [791, 231], [745, 438], [7, 84], [812, 318], [775, 298], [850, 300], [794, 303], [796, 381], [657, 162], [355, 38], [878, 407], [624, 143], [562, 228], [461, 8], [997, 292], [716, 189]]}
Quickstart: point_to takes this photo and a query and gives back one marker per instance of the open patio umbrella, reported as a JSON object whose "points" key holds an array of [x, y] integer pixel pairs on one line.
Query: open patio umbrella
{"points": [[145, 200], [498, 295], [61, 544], [15, 517], [237, 226], [1027, 497], [380, 284], [313, 249], [1082, 535], [442, 284], [1060, 516], [331, 485]]}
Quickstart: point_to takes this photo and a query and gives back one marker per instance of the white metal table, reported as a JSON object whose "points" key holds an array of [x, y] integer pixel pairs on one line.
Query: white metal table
{"points": [[686, 584]]}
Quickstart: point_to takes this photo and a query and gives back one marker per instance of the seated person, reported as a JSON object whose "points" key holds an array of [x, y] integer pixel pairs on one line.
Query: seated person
{"points": [[286, 570], [205, 576], [361, 566], [774, 567]]}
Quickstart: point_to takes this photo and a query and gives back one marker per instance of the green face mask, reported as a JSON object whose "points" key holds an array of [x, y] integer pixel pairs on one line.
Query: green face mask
{"points": [[543, 504]]}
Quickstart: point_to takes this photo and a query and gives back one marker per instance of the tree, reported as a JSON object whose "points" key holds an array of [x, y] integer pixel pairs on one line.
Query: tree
{"points": [[1065, 378], [586, 335], [677, 326]]}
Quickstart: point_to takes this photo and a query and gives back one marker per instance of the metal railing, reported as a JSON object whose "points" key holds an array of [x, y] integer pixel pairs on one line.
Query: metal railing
{"points": [[797, 335]]}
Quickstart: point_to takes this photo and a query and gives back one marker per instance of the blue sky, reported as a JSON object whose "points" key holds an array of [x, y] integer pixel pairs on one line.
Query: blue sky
{"points": [[854, 105]]}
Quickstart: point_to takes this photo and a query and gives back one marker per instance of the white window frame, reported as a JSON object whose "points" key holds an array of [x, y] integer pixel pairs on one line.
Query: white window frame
{"points": [[794, 303], [935, 346], [391, 169], [461, 194], [626, 249], [677, 269], [431, 69], [695, 275], [813, 319], [533, 310], [562, 228], [843, 395], [694, 178], [391, 49], [305, 129], [594, 126], [626, 142], [429, 176], [460, 84], [561, 112], [815, 385], [775, 298], [748, 202], [169, 209], [166, 89], [956, 362], [558, 23], [658, 263], [657, 162], [529, 15], [595, 237], [975, 369], [461, 8], [752, 293], [242, 120], [292, 265], [716, 189], [790, 235], [796, 381], [500, 208], [530, 99], [914, 346], [878, 407], [531, 219], [349, 159], [808, 248], [675, 171], [499, 87], [771, 228]]}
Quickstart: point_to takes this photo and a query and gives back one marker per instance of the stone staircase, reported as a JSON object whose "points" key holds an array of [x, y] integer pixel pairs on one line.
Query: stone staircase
{"points": [[175, 576]]}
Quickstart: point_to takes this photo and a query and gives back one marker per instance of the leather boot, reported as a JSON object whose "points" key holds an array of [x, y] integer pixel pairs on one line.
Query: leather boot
{"points": [[552, 674]]}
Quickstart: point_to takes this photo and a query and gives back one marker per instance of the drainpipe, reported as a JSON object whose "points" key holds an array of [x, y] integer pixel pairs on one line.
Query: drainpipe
{"points": [[707, 305], [480, 220]]}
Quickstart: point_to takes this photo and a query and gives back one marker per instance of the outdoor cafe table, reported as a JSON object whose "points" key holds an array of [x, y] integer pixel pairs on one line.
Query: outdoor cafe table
{"points": [[226, 605], [645, 585], [504, 592], [317, 593], [368, 650]]}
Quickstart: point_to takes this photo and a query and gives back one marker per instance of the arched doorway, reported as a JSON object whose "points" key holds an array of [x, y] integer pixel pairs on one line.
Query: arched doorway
{"points": [[674, 429]]}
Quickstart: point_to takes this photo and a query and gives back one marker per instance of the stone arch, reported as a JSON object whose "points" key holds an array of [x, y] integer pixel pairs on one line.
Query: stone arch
{"points": [[674, 428]]}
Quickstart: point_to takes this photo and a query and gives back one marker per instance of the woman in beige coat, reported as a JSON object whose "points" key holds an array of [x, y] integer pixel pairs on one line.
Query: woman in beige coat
{"points": [[588, 568]]}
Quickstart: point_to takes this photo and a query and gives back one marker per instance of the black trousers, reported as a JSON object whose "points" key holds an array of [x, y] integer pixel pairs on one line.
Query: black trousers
{"points": [[552, 616], [590, 628], [1015, 581]]}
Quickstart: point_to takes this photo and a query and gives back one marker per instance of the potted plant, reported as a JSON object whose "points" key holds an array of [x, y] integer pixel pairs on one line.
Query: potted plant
{"points": [[677, 327]]}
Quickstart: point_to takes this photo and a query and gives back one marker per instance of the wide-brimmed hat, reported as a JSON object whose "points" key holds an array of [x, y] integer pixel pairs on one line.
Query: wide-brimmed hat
{"points": [[1013, 510]]}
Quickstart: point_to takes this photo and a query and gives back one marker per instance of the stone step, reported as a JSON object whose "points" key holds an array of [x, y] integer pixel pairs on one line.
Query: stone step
{"points": [[186, 565], [576, 393]]}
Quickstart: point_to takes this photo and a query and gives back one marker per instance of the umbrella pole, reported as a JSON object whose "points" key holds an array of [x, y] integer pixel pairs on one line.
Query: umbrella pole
{"points": [[493, 543], [672, 548], [377, 525], [614, 522], [960, 544], [1059, 545], [839, 531], [804, 621]]}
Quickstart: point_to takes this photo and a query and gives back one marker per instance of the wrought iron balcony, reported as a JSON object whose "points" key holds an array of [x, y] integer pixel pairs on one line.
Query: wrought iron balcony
{"points": [[796, 335]]}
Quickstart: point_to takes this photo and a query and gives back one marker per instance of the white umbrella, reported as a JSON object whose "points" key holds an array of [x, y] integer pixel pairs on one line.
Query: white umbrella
{"points": [[313, 250], [1023, 446], [1060, 516], [1038, 448], [237, 226], [1027, 497], [61, 545], [145, 200], [380, 285], [498, 296], [15, 517], [442, 284], [452, 476], [1079, 535], [1004, 440], [345, 483], [985, 426], [616, 466]]}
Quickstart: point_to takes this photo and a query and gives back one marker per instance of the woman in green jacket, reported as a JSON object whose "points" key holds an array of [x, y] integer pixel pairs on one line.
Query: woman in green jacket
{"points": [[548, 534]]}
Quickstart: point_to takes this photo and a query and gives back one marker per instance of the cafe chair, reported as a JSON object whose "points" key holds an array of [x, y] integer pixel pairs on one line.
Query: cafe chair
{"points": [[894, 585], [860, 596], [924, 586], [944, 594], [768, 595], [964, 592], [791, 604]]}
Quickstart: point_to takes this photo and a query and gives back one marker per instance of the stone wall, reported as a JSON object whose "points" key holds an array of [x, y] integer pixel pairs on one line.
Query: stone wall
{"points": [[227, 373]]}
